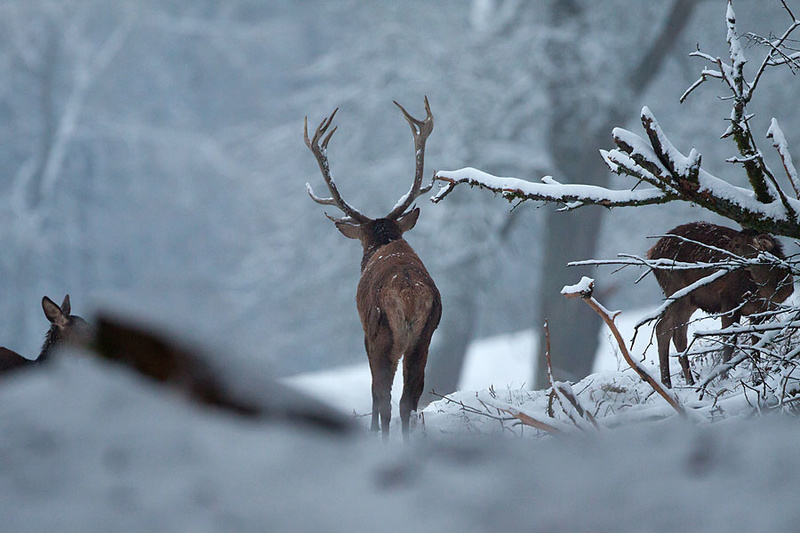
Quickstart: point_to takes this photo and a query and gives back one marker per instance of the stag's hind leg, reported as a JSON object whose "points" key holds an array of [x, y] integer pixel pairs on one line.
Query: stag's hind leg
{"points": [[413, 379], [383, 369]]}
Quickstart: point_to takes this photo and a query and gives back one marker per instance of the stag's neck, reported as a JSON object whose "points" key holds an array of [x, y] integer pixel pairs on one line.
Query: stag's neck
{"points": [[50, 342], [384, 250]]}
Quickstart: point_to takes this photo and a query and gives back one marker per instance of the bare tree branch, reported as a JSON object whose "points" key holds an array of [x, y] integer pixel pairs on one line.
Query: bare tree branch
{"points": [[584, 291], [672, 175], [779, 143]]}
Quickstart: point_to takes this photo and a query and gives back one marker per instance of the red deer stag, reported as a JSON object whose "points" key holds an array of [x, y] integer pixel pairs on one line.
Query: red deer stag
{"points": [[397, 300], [63, 327], [747, 291]]}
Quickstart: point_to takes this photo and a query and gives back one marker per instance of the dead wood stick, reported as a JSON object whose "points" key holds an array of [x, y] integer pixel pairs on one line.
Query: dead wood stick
{"points": [[584, 290]]}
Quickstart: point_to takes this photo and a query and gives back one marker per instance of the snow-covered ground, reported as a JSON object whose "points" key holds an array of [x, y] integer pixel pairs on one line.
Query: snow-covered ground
{"points": [[504, 361], [86, 446]]}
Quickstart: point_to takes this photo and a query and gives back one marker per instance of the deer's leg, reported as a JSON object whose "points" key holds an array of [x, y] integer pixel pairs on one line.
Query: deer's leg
{"points": [[674, 326], [663, 336], [755, 321], [382, 368], [680, 335], [680, 339], [413, 379], [728, 321]]}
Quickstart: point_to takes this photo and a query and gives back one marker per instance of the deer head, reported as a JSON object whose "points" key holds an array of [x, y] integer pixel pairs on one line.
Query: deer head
{"points": [[65, 327], [774, 284]]}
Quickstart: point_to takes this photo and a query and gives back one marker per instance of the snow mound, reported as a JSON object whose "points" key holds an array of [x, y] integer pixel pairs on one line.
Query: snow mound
{"points": [[86, 446]]}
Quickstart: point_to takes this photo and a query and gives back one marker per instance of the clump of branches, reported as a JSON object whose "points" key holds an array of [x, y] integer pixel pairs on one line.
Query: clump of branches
{"points": [[503, 412], [773, 352], [768, 341], [771, 382], [560, 393], [673, 176]]}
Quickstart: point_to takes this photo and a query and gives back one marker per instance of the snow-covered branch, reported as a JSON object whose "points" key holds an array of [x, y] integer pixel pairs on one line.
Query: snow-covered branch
{"points": [[779, 54], [571, 195], [672, 175], [779, 143], [683, 175]]}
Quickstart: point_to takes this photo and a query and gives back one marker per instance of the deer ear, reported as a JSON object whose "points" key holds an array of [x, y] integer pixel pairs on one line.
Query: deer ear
{"points": [[52, 311], [349, 230], [65, 306], [409, 220]]}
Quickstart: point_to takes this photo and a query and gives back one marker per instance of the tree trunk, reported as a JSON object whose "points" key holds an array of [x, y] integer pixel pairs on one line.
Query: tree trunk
{"points": [[579, 129], [569, 236]]}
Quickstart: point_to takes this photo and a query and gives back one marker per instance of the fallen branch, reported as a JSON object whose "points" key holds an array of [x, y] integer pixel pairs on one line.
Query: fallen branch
{"points": [[525, 418], [584, 290], [512, 411]]}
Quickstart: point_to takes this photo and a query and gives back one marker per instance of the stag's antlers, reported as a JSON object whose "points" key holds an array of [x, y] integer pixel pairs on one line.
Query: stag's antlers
{"points": [[318, 145], [320, 151], [421, 129]]}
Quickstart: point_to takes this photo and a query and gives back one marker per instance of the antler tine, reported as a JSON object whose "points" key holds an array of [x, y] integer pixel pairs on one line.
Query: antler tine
{"points": [[421, 129], [320, 151]]}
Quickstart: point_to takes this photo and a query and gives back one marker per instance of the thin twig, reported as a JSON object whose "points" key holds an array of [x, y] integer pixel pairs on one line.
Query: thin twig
{"points": [[561, 392]]}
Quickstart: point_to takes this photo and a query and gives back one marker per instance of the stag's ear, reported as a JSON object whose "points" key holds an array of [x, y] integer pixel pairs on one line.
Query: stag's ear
{"points": [[65, 306], [52, 311], [409, 220], [350, 231]]}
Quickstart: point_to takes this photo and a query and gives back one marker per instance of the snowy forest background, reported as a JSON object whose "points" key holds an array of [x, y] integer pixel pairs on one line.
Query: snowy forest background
{"points": [[153, 161]]}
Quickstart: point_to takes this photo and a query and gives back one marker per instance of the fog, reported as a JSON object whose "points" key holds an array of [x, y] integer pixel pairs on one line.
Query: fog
{"points": [[153, 160]]}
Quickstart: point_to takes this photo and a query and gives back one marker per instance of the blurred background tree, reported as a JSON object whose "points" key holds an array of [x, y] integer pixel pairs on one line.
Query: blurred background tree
{"points": [[153, 158]]}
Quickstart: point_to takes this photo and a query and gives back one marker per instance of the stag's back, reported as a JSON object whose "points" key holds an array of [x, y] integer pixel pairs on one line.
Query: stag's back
{"points": [[397, 295]]}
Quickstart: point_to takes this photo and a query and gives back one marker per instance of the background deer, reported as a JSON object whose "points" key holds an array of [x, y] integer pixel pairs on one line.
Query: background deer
{"points": [[397, 300], [748, 291], [63, 327]]}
